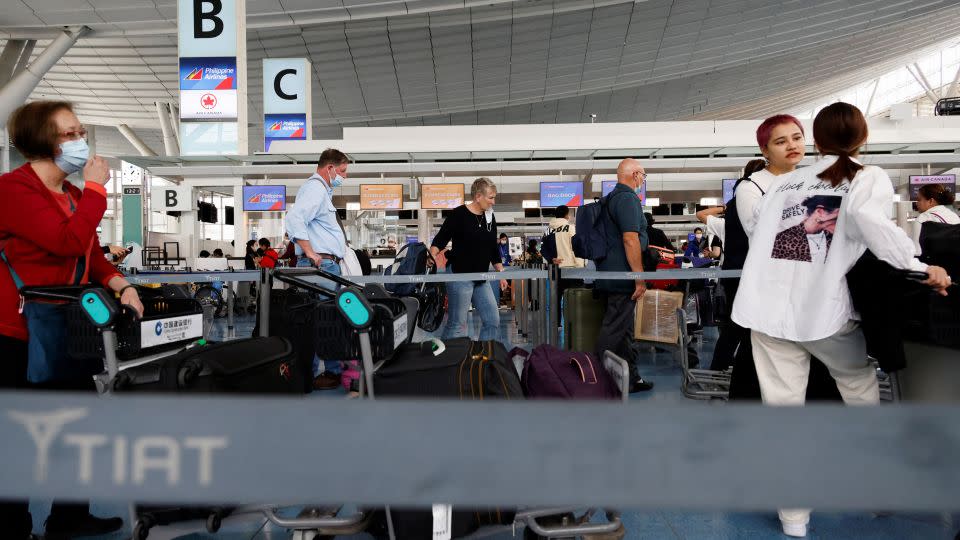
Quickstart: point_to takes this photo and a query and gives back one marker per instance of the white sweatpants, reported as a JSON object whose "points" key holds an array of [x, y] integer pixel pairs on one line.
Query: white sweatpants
{"points": [[783, 369]]}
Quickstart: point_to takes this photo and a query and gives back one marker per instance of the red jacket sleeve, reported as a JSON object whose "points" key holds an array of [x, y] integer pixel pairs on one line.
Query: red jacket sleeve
{"points": [[26, 212]]}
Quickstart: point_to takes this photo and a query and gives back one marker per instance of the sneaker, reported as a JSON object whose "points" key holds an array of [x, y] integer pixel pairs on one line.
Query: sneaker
{"points": [[637, 384], [66, 529], [326, 381], [796, 530]]}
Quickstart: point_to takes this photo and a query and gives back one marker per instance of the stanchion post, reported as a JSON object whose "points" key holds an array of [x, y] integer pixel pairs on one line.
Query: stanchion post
{"points": [[554, 295], [263, 303], [231, 331]]}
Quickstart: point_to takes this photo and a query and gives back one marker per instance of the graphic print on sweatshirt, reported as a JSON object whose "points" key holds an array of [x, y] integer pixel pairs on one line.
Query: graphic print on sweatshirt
{"points": [[808, 222]]}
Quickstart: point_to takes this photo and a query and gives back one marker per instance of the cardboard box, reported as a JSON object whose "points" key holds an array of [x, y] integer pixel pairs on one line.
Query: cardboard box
{"points": [[656, 317]]}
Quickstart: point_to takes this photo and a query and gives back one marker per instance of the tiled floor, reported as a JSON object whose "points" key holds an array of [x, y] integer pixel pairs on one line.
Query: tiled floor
{"points": [[647, 525]]}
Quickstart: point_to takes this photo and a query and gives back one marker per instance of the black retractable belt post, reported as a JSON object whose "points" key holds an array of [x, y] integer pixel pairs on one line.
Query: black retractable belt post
{"points": [[554, 292], [266, 283]]}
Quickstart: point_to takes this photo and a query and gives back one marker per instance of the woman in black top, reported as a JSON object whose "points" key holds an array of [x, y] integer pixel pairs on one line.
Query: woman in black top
{"points": [[473, 230], [249, 260]]}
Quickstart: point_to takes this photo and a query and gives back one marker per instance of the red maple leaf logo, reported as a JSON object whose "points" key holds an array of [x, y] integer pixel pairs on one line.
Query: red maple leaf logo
{"points": [[208, 101]]}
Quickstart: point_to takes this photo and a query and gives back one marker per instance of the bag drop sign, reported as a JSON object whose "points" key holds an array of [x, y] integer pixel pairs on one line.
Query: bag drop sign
{"points": [[172, 330]]}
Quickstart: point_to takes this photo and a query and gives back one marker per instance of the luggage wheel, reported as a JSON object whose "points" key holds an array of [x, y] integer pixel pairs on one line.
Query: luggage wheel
{"points": [[309, 535], [141, 530]]}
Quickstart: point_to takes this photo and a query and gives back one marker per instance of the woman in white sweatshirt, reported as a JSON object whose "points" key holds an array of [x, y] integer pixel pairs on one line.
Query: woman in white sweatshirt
{"points": [[800, 306]]}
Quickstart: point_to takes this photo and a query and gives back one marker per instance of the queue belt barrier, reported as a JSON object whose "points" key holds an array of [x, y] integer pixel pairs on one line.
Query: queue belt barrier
{"points": [[639, 455]]}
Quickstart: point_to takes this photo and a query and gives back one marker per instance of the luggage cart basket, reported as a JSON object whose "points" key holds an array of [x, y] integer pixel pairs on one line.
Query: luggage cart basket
{"points": [[92, 311]]}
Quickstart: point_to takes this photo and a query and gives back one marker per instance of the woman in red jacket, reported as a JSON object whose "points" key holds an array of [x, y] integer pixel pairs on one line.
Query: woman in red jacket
{"points": [[48, 237]]}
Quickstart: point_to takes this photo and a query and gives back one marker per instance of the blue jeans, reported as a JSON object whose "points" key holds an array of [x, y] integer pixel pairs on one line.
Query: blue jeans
{"points": [[460, 294], [334, 368]]}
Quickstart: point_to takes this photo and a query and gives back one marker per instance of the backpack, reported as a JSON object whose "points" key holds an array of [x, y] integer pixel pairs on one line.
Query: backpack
{"points": [[411, 260], [590, 242], [735, 238], [940, 246], [548, 247]]}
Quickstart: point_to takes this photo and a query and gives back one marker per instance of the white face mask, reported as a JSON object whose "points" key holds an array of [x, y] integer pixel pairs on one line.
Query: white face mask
{"points": [[73, 156]]}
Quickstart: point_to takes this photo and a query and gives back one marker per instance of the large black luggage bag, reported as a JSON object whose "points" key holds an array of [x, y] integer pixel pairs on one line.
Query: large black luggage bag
{"points": [[466, 370], [260, 365]]}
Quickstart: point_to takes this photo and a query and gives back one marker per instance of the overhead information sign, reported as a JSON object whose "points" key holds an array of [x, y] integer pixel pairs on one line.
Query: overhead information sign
{"points": [[381, 196], [441, 196], [948, 181], [286, 100]]}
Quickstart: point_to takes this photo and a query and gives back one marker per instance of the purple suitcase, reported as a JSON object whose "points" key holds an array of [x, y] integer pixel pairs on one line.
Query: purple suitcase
{"points": [[552, 373]]}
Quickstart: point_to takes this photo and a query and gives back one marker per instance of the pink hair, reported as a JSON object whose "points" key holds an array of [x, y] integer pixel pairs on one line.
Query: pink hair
{"points": [[765, 131]]}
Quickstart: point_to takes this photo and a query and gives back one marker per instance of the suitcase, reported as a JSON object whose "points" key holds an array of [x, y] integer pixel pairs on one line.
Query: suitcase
{"points": [[295, 315], [261, 365], [465, 369], [582, 319], [553, 373]]}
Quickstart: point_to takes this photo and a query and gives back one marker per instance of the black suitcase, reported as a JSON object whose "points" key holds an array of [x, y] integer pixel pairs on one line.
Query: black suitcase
{"points": [[466, 370], [261, 365], [295, 315]]}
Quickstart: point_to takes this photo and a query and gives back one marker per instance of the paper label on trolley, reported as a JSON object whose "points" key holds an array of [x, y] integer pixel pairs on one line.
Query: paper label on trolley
{"points": [[172, 330], [400, 330], [442, 521]]}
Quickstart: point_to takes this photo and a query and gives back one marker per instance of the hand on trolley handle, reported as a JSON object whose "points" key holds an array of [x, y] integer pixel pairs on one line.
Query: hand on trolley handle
{"points": [[935, 277]]}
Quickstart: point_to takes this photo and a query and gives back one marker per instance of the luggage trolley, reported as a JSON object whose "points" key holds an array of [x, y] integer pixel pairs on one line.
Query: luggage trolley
{"points": [[97, 327], [359, 310], [381, 323]]}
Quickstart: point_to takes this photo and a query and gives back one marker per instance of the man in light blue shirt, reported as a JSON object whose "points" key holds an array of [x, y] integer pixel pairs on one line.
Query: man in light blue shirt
{"points": [[316, 232]]}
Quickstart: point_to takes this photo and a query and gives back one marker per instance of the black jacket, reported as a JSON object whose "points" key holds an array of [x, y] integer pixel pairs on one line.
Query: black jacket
{"points": [[883, 298]]}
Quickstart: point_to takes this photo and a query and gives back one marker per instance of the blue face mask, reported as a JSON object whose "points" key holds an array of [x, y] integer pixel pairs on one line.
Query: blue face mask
{"points": [[639, 190], [73, 156], [337, 181]]}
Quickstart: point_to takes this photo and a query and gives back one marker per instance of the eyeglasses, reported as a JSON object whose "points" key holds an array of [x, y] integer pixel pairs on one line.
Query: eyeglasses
{"points": [[643, 175], [73, 135]]}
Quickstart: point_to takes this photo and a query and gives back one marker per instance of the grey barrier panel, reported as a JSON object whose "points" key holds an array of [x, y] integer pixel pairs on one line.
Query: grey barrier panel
{"points": [[644, 455]]}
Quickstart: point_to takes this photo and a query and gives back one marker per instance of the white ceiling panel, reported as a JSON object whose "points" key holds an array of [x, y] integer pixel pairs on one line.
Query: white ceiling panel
{"points": [[449, 61]]}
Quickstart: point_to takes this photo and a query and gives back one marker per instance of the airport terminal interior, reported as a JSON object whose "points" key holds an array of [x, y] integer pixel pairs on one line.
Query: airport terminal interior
{"points": [[223, 157]]}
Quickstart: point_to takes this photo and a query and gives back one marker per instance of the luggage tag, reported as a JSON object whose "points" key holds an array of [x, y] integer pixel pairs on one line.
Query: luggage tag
{"points": [[436, 346], [442, 521]]}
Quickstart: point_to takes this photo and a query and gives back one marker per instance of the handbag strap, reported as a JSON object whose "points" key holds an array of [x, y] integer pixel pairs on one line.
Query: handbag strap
{"points": [[81, 261]]}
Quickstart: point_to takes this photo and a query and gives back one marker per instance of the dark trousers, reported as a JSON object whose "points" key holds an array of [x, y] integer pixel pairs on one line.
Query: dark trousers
{"points": [[732, 335], [15, 518], [617, 329]]}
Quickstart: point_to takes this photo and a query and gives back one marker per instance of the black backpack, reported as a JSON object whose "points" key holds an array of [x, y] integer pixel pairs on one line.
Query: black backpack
{"points": [[548, 247], [940, 246], [736, 242]]}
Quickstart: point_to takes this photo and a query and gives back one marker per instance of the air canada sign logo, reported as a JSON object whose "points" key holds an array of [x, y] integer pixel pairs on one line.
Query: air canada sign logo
{"points": [[208, 101]]}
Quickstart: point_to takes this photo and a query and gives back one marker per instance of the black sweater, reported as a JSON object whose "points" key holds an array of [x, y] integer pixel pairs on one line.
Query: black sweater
{"points": [[474, 246]]}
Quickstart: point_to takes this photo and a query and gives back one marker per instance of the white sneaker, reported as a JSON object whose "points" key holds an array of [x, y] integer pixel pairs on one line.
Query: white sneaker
{"points": [[797, 530]]}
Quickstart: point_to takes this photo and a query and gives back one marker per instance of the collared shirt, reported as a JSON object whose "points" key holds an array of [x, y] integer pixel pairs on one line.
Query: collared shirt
{"points": [[313, 217]]}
